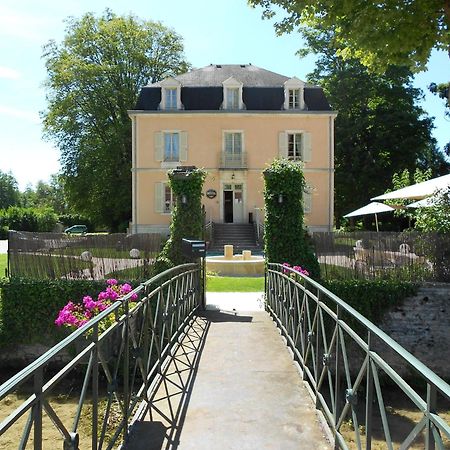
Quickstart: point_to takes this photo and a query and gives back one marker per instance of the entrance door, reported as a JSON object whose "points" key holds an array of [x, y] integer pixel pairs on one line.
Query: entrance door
{"points": [[238, 204], [228, 206]]}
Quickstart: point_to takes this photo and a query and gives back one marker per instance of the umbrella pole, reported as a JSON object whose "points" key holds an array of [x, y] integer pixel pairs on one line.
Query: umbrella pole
{"points": [[376, 221]]}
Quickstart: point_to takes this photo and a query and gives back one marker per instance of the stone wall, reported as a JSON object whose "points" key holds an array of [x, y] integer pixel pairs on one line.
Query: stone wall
{"points": [[422, 326]]}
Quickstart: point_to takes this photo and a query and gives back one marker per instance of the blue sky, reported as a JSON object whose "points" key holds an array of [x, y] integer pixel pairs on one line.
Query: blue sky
{"points": [[214, 31]]}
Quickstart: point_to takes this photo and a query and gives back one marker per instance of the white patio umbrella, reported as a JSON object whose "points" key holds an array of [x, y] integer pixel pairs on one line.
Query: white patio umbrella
{"points": [[424, 203], [371, 208], [418, 191]]}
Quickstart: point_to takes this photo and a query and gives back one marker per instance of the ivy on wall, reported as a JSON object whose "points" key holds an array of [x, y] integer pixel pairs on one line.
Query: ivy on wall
{"points": [[187, 216], [285, 237]]}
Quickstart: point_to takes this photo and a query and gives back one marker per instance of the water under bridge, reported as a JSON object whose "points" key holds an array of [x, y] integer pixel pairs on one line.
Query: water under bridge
{"points": [[296, 368]]}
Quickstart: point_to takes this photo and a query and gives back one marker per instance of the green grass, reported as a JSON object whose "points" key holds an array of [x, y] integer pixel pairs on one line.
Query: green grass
{"points": [[3, 264], [234, 284]]}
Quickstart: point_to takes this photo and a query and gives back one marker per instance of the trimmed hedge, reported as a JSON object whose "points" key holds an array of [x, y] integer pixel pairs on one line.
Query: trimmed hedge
{"points": [[285, 237], [28, 219], [28, 308], [371, 298]]}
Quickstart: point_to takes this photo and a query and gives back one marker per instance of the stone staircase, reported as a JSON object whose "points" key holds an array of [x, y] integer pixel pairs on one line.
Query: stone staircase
{"points": [[241, 235]]}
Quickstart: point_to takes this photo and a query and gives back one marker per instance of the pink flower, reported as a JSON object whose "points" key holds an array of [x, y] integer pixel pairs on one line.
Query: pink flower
{"points": [[112, 294], [125, 289], [88, 302], [111, 281]]}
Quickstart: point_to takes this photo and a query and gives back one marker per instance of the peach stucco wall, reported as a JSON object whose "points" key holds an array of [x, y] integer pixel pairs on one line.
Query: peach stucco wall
{"points": [[260, 142]]}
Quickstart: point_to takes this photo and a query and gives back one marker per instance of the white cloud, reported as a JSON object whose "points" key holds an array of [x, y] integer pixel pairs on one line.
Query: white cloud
{"points": [[20, 114], [23, 25], [9, 73]]}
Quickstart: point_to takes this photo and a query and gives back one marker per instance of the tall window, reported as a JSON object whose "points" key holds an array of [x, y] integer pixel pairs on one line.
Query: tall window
{"points": [[233, 145], [168, 199], [294, 98], [294, 146], [171, 147], [232, 100], [171, 98]]}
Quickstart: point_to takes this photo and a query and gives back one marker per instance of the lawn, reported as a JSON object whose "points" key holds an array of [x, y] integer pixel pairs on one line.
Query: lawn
{"points": [[234, 284]]}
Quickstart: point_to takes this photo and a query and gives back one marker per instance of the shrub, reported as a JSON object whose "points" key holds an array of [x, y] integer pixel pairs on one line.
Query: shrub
{"points": [[284, 234], [187, 218], [28, 308], [28, 219], [371, 298]]}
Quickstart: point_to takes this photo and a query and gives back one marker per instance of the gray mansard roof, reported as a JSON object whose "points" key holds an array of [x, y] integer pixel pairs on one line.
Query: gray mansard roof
{"points": [[202, 90]]}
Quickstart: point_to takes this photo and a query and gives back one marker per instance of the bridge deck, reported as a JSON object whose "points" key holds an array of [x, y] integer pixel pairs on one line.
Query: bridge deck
{"points": [[231, 385]]}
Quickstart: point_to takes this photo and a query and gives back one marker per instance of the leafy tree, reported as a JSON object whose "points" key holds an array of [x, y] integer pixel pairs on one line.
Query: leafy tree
{"points": [[380, 129], [94, 77], [437, 217], [46, 195], [9, 192], [443, 91], [379, 34]]}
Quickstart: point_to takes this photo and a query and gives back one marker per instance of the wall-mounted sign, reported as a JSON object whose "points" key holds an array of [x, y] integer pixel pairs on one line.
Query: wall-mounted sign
{"points": [[211, 193]]}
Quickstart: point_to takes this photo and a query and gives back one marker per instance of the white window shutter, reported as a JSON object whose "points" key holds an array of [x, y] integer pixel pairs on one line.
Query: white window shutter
{"points": [[307, 202], [283, 144], [159, 197], [159, 146], [183, 146], [306, 147]]}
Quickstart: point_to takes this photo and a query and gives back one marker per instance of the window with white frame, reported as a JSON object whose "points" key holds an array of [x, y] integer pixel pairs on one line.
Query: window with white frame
{"points": [[294, 94], [232, 98], [294, 151], [171, 147], [164, 198], [232, 144], [170, 98], [170, 94], [295, 145], [232, 94], [294, 99]]}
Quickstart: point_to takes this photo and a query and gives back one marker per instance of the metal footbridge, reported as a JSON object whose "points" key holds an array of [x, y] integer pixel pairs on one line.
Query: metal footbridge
{"points": [[308, 372]]}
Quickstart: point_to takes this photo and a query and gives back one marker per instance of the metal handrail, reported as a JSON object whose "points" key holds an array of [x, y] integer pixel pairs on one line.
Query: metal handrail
{"points": [[312, 320], [232, 161], [145, 335]]}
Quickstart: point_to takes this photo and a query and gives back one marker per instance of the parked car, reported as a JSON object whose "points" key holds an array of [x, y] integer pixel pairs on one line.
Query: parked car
{"points": [[76, 229]]}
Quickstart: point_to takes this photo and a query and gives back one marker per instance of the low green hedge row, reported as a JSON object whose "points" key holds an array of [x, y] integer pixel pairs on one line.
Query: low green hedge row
{"points": [[371, 298], [28, 308]]}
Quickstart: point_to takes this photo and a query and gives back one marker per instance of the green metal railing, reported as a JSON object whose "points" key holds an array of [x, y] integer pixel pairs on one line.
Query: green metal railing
{"points": [[343, 356], [117, 366]]}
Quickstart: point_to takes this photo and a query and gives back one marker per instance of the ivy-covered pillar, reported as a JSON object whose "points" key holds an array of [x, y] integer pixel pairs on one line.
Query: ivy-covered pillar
{"points": [[285, 237], [187, 217]]}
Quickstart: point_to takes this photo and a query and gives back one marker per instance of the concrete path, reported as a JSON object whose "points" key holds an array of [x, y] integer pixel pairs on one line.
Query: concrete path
{"points": [[232, 385]]}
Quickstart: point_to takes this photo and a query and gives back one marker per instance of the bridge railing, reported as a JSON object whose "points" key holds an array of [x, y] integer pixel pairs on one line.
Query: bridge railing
{"points": [[103, 373], [348, 364]]}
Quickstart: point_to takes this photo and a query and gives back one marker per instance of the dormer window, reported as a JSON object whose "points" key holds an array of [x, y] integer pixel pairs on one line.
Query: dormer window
{"points": [[170, 94], [294, 94], [171, 98], [232, 94], [294, 99], [232, 100]]}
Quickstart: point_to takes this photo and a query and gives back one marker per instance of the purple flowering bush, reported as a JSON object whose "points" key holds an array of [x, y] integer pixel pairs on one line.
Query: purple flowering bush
{"points": [[75, 315], [299, 269]]}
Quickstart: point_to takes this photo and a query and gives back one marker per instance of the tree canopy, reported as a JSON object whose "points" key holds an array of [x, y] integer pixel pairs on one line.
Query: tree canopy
{"points": [[93, 77], [380, 129], [9, 192], [379, 34]]}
